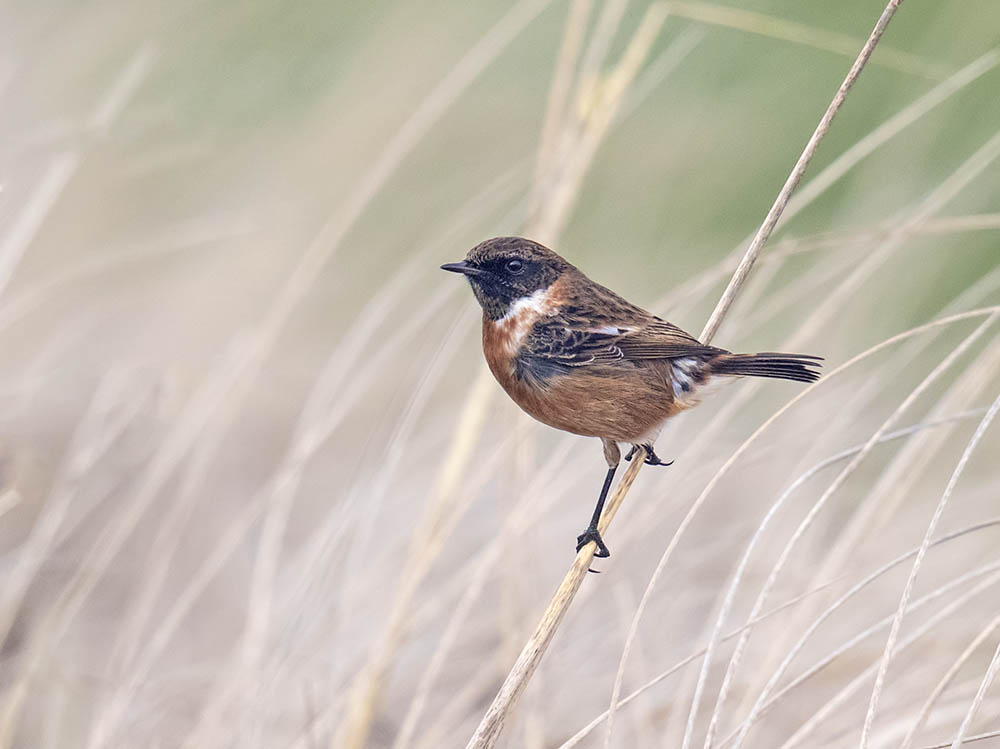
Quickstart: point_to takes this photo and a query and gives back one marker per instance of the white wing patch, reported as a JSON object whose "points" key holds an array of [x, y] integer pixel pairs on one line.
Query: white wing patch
{"points": [[609, 330]]}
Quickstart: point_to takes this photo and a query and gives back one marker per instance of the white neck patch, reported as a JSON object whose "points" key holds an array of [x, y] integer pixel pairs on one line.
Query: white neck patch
{"points": [[522, 316], [535, 305]]}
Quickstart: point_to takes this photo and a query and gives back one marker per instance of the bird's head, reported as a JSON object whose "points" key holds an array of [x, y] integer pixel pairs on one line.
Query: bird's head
{"points": [[504, 270]]}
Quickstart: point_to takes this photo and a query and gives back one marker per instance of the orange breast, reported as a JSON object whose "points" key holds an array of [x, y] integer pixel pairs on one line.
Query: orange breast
{"points": [[502, 339], [619, 400]]}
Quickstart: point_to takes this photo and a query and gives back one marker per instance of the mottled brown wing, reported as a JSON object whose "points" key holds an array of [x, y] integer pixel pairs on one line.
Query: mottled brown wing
{"points": [[659, 339], [568, 341]]}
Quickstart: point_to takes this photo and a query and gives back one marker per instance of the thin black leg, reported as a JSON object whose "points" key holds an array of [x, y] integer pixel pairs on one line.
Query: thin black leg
{"points": [[592, 534]]}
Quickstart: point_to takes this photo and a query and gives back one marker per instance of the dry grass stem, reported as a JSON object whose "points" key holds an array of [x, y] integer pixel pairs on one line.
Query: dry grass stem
{"points": [[840, 166], [779, 28], [489, 728], [911, 580], [968, 740], [830, 490], [738, 453], [755, 615], [946, 679], [849, 690], [64, 165], [785, 194]]}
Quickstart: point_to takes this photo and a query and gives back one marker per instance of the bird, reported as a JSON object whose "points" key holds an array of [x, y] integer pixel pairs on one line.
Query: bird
{"points": [[578, 357]]}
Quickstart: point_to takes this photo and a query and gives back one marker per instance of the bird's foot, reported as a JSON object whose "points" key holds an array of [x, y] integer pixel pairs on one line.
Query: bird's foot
{"points": [[592, 534], [652, 459]]}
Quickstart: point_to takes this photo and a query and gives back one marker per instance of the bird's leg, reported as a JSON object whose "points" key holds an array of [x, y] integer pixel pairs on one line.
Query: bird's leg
{"points": [[613, 456], [592, 534], [652, 459]]}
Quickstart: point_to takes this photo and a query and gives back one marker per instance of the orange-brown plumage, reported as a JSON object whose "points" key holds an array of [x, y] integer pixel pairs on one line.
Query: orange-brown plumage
{"points": [[605, 402], [578, 357]]}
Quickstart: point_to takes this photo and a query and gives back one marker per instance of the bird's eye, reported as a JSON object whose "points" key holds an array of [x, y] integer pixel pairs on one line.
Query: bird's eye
{"points": [[514, 266]]}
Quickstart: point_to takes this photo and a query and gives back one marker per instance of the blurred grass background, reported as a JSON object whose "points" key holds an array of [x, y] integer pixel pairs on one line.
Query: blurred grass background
{"points": [[210, 483]]}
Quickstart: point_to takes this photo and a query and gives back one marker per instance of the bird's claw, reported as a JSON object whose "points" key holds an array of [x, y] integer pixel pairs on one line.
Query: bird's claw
{"points": [[652, 459], [592, 534]]}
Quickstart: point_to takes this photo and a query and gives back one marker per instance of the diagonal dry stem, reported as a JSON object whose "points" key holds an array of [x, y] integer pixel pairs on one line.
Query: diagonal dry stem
{"points": [[490, 726], [757, 243], [781, 28]]}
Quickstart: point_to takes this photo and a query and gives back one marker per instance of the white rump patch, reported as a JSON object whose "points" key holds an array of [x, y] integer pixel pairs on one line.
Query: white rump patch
{"points": [[684, 376]]}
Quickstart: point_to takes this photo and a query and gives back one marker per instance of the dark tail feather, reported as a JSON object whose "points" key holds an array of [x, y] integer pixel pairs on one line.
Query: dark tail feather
{"points": [[798, 367]]}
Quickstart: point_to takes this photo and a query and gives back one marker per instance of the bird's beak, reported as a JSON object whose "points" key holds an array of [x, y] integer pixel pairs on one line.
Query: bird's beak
{"points": [[463, 268]]}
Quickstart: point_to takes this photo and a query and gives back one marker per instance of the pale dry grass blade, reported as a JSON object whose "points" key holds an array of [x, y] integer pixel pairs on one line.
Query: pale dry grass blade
{"points": [[596, 53], [366, 686], [830, 303], [184, 239], [968, 740], [903, 474], [492, 723], [784, 195], [628, 699], [64, 165], [659, 69], [559, 92], [422, 558], [780, 28], [113, 407], [437, 661], [832, 488], [225, 386], [9, 499], [453, 719], [965, 387], [232, 381], [759, 617], [944, 193], [250, 653], [580, 143], [766, 701], [489, 729], [946, 679], [537, 497], [738, 575], [172, 524], [270, 545], [164, 547], [840, 166], [911, 580], [190, 423], [834, 703], [549, 220], [724, 469]]}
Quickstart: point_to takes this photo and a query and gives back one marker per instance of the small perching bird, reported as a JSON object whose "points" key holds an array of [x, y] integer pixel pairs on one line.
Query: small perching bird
{"points": [[578, 357]]}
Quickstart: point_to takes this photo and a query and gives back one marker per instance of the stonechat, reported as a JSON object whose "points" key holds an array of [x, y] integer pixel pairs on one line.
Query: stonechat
{"points": [[578, 357]]}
